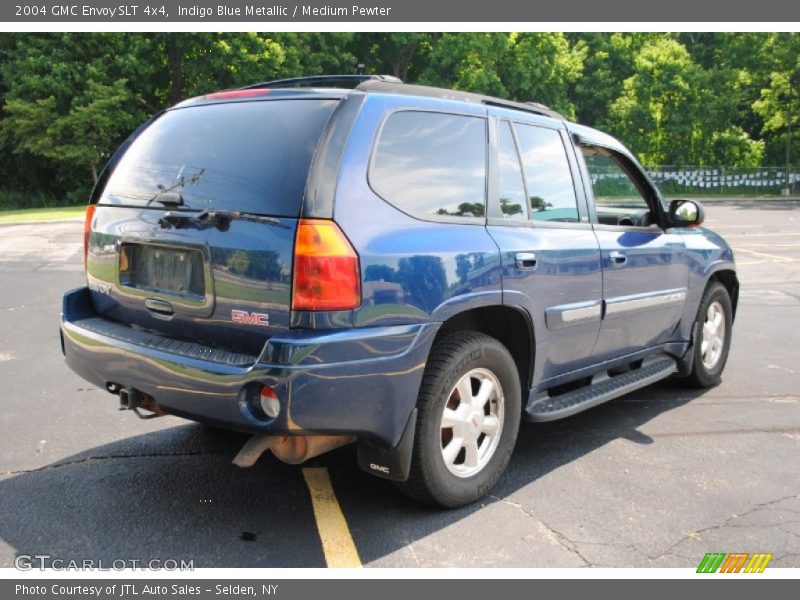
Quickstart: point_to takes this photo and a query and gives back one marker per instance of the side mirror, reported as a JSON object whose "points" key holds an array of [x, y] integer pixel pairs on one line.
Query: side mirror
{"points": [[686, 213]]}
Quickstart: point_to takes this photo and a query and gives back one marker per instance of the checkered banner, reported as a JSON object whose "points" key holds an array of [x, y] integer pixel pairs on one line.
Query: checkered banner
{"points": [[712, 178], [764, 179]]}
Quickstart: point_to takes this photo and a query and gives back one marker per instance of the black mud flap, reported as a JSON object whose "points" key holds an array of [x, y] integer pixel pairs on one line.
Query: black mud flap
{"points": [[686, 363], [390, 463]]}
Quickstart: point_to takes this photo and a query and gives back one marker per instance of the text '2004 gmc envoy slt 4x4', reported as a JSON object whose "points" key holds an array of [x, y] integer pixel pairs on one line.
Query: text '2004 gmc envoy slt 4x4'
{"points": [[349, 259]]}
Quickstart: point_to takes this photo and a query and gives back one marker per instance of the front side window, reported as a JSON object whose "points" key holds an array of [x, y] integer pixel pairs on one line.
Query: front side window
{"points": [[618, 199], [432, 164], [551, 193]]}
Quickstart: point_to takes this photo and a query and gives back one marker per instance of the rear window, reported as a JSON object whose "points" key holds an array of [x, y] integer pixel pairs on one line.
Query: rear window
{"points": [[432, 164], [242, 156]]}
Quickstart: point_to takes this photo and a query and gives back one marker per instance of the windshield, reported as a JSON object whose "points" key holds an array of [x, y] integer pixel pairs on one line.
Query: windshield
{"points": [[240, 156]]}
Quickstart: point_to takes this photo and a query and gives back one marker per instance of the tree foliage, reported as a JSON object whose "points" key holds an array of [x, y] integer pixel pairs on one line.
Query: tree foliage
{"points": [[68, 99], [670, 110]]}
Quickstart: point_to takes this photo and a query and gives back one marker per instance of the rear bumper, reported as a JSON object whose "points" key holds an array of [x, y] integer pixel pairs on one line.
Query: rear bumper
{"points": [[361, 382]]}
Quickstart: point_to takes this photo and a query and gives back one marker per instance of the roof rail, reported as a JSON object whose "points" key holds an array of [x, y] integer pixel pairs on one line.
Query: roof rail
{"points": [[536, 108], [390, 87], [324, 81]]}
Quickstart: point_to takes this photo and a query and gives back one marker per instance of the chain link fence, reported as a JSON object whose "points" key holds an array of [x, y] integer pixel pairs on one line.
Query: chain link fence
{"points": [[725, 181]]}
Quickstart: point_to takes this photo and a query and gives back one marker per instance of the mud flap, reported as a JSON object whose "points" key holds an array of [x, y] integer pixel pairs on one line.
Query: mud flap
{"points": [[390, 463], [685, 363]]}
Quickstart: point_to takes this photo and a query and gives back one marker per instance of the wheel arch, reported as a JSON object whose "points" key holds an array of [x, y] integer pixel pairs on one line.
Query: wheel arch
{"points": [[511, 326], [729, 280]]}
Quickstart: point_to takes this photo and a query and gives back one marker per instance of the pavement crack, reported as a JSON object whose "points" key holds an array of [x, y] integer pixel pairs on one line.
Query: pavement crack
{"points": [[729, 522], [68, 463], [559, 537]]}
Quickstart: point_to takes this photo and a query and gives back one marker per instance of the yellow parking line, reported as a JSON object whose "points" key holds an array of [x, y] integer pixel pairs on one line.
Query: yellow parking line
{"points": [[337, 543]]}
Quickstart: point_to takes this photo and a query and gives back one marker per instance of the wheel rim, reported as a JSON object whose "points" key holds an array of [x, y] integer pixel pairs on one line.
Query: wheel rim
{"points": [[713, 340], [472, 423]]}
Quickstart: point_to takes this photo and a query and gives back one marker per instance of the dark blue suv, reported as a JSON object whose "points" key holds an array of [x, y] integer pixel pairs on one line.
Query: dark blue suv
{"points": [[408, 268]]}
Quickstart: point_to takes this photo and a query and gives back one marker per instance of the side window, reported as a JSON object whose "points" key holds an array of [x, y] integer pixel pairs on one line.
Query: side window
{"points": [[511, 188], [618, 200], [432, 164], [551, 193]]}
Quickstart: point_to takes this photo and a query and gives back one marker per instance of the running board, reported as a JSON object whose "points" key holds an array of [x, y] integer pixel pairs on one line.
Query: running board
{"points": [[547, 408]]}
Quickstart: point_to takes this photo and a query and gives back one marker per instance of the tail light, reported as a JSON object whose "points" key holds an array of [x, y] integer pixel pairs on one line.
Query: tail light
{"points": [[87, 230], [326, 275]]}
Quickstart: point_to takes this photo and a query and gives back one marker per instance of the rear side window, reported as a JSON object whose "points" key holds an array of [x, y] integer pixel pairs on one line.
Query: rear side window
{"points": [[432, 164], [511, 189], [549, 179], [240, 156]]}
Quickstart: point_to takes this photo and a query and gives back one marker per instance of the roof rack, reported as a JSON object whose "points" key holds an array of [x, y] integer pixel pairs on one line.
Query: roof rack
{"points": [[324, 81], [391, 87]]}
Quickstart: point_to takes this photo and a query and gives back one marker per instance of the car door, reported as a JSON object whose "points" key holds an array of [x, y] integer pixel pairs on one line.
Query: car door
{"points": [[550, 255], [645, 270]]}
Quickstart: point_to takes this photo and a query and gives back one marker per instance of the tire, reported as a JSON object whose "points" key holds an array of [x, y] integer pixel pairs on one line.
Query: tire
{"points": [[456, 358], [711, 343]]}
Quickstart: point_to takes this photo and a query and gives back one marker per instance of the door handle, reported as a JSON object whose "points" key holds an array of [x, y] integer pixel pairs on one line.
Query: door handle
{"points": [[162, 307], [525, 260], [617, 258]]}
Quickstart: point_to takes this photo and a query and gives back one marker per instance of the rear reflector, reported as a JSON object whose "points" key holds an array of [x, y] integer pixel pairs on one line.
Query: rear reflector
{"points": [[229, 94], [269, 401], [87, 230], [326, 274]]}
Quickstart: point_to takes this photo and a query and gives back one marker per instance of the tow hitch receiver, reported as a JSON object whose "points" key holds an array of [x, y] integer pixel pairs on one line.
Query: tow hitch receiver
{"points": [[136, 400]]}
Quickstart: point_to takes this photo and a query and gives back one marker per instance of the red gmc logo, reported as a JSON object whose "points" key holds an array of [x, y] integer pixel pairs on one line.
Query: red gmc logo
{"points": [[248, 318]]}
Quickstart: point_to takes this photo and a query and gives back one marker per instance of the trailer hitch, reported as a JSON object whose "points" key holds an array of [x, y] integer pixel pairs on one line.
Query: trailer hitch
{"points": [[136, 400]]}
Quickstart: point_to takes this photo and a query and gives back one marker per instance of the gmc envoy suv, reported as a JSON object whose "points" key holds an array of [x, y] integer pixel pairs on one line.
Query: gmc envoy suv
{"points": [[349, 259]]}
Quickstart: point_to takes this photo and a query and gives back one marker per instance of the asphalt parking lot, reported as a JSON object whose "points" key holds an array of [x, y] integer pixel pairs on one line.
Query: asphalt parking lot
{"points": [[657, 478]]}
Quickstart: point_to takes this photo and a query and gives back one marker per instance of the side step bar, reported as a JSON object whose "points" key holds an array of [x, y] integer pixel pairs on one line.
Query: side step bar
{"points": [[549, 408]]}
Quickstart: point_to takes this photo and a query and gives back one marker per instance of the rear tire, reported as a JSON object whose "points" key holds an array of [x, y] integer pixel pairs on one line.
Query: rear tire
{"points": [[469, 409], [712, 337]]}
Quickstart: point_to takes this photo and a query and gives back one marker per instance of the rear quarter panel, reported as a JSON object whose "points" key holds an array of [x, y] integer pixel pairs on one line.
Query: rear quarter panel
{"points": [[411, 270]]}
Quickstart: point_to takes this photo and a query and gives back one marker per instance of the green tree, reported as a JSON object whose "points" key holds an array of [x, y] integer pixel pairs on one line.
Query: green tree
{"points": [[529, 67], [779, 101], [468, 61], [671, 112], [83, 136], [608, 63], [69, 102], [404, 55], [541, 67], [197, 63]]}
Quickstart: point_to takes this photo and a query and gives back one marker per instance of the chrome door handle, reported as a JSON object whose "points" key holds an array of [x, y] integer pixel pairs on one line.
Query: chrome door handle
{"points": [[617, 258], [525, 260]]}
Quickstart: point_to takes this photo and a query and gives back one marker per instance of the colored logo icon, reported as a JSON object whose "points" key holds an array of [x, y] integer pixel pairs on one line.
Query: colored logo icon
{"points": [[737, 562]]}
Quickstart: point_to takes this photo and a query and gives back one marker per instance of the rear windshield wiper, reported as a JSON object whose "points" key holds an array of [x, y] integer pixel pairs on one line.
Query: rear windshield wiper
{"points": [[165, 194], [221, 219], [167, 199]]}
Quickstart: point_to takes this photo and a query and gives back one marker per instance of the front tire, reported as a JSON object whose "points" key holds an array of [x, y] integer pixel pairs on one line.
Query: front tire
{"points": [[469, 410], [712, 336]]}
